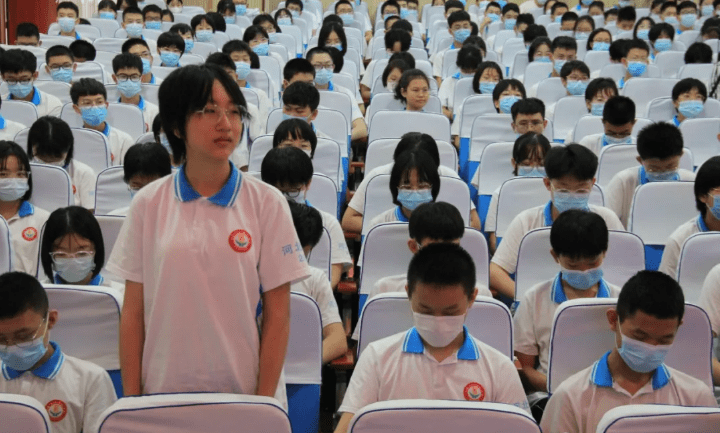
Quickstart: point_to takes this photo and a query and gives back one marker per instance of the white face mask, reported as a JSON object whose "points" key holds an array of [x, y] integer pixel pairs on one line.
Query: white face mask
{"points": [[438, 331]]}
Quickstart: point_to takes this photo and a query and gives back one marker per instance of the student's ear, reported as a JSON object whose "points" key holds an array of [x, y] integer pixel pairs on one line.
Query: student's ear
{"points": [[546, 181], [624, 61], [285, 84], [114, 77], [563, 81], [512, 160], [555, 256], [35, 75], [76, 109], [47, 69], [639, 159], [413, 246], [544, 123], [52, 318], [472, 301], [634, 121], [307, 186], [74, 68], [612, 318], [314, 114], [407, 292]]}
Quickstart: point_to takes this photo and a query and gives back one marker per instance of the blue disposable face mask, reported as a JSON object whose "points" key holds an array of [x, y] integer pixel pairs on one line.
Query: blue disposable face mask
{"points": [[582, 36], [153, 25], [487, 87], [285, 21], [129, 88], [688, 20], [636, 69], [240, 10], [338, 47], [411, 199], [347, 18], [295, 13], [134, 30], [707, 10], [62, 74], [642, 357], [169, 58], [614, 140], [558, 19], [461, 35], [673, 21], [543, 59], [601, 46], [147, 66], [21, 90], [582, 280], [570, 200], [691, 109], [530, 171], [510, 23], [715, 209], [242, 69], [597, 108], [290, 116], [261, 49], [23, 358], [586, 2], [204, 36], [663, 45], [107, 15], [229, 19], [558, 64], [95, 115], [493, 17], [662, 176], [67, 24], [643, 34], [189, 45], [577, 88], [323, 76], [507, 102], [74, 269], [12, 189], [624, 3]]}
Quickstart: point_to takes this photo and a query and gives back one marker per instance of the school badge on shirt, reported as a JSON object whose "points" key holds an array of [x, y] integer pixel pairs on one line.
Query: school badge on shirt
{"points": [[240, 241], [57, 410], [474, 392], [29, 234]]}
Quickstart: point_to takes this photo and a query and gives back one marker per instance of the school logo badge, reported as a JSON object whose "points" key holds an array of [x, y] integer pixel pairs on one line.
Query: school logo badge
{"points": [[240, 241], [74, 190], [57, 410], [474, 392], [29, 234]]}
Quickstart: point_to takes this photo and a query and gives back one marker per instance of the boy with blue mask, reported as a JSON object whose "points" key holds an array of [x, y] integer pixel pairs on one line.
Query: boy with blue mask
{"points": [[27, 35], [557, 10], [74, 392], [562, 50], [618, 119], [301, 101], [127, 74], [688, 96], [89, 99], [493, 10], [60, 63], [144, 163], [141, 49], [645, 322], [579, 241], [660, 148], [68, 16], [83, 51], [19, 70], [468, 59], [460, 27], [170, 47], [568, 21], [152, 16], [574, 76], [597, 93], [133, 22], [570, 176], [185, 32], [438, 358], [635, 60], [626, 18], [528, 115]]}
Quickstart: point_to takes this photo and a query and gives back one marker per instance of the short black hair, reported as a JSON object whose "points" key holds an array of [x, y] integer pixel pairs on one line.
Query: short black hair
{"points": [[437, 220], [397, 35], [659, 140], [9, 149], [588, 19], [342, 2], [332, 18], [610, 12], [442, 264], [259, 19], [508, 83], [418, 140], [218, 21], [197, 19], [316, 50], [171, 39], [71, 220], [707, 178], [529, 145], [225, 6], [619, 110], [699, 52], [591, 37], [87, 87], [146, 159], [686, 85], [686, 4], [58, 50], [297, 66], [395, 64], [131, 42], [598, 85], [579, 234], [50, 136], [221, 59], [298, 3], [574, 65], [638, 44], [627, 14], [458, 16], [133, 10], [557, 6], [286, 166], [619, 49], [83, 49], [569, 16], [27, 30], [653, 293], [528, 19], [176, 107], [127, 60], [308, 223], [329, 28], [661, 29], [236, 45], [104, 4], [390, 3], [69, 5], [405, 80], [301, 94], [537, 43], [534, 31], [420, 161], [20, 292], [405, 57], [17, 60], [566, 42], [297, 129], [527, 106], [181, 29], [571, 160], [481, 69], [151, 8], [456, 4], [399, 24], [469, 58]]}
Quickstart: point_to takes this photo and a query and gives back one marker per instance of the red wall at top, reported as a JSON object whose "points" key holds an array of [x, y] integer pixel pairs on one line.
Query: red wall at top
{"points": [[40, 12]]}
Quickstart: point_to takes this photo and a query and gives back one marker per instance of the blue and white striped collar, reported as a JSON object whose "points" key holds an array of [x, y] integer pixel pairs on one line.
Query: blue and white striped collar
{"points": [[468, 351], [676, 121], [26, 208], [400, 215], [225, 197], [2, 122], [701, 224], [621, 84], [48, 370], [106, 130], [547, 212], [600, 375], [331, 87], [558, 291], [97, 281]]}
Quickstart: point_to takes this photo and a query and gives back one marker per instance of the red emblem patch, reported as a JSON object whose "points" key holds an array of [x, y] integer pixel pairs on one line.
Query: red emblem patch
{"points": [[474, 392], [240, 241], [57, 410], [74, 190], [29, 234]]}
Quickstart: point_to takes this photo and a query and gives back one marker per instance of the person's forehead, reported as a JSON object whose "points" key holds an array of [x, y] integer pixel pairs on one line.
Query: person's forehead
{"points": [[321, 57], [132, 16], [129, 70], [66, 11], [530, 116], [62, 58]]}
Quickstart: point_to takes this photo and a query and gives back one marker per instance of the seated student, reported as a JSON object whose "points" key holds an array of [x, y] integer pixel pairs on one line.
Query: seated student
{"points": [[688, 12], [19, 70], [579, 241], [532, 32], [698, 52], [574, 76], [441, 290], [528, 159], [562, 50], [89, 99], [570, 176], [642, 28], [539, 51], [226, 8], [203, 27], [290, 170], [296, 8], [568, 21], [655, 8], [60, 63], [488, 76], [152, 16], [107, 9], [122, 5], [597, 93], [626, 18], [133, 23], [523, 22], [459, 26], [322, 63], [345, 10], [689, 96], [51, 142], [24, 219], [661, 38], [506, 93], [710, 29], [660, 147], [258, 40], [584, 26], [528, 115], [295, 133], [83, 51], [267, 22], [141, 49], [283, 17], [396, 41], [649, 311], [75, 392], [185, 32], [218, 21], [413, 90], [610, 16], [557, 11], [618, 121], [170, 48], [301, 101], [596, 8], [710, 302], [707, 201], [618, 50], [241, 53], [68, 16], [127, 74], [635, 60], [27, 35], [8, 128], [144, 163], [161, 138], [508, 18], [388, 23], [493, 10], [468, 60], [391, 75]]}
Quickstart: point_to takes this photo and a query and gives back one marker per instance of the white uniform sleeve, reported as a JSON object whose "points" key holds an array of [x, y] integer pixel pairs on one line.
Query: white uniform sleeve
{"points": [[710, 298], [524, 330], [367, 78], [437, 61], [323, 295], [559, 413], [99, 395], [670, 257], [364, 387], [126, 257], [511, 391], [491, 218], [339, 251], [615, 197], [507, 253], [444, 93], [86, 188]]}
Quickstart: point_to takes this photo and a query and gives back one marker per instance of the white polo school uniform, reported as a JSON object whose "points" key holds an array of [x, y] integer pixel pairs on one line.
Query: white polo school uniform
{"points": [[204, 264], [9, 129], [534, 316], [581, 400], [339, 254], [534, 218], [710, 298], [45, 103], [74, 392], [317, 286], [596, 142], [673, 246], [149, 110], [83, 183], [119, 143], [398, 367], [621, 189], [25, 227]]}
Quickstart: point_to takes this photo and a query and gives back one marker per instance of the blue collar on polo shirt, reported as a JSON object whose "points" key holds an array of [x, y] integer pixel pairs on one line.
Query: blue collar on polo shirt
{"points": [[621, 84], [547, 212], [140, 105], [26, 208], [106, 130], [247, 85], [452, 46], [36, 100], [47, 370], [2, 122], [152, 79], [400, 215], [225, 197], [558, 291], [642, 176], [601, 376], [97, 281], [330, 86], [701, 224], [468, 351], [676, 121]]}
